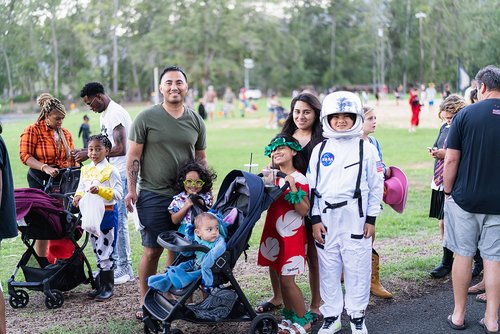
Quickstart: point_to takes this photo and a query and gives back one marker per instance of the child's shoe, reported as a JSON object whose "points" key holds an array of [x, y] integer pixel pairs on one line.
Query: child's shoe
{"points": [[358, 324], [330, 325]]}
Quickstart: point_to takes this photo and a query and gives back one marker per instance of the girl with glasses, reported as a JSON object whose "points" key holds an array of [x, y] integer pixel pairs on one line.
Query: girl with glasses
{"points": [[193, 179]]}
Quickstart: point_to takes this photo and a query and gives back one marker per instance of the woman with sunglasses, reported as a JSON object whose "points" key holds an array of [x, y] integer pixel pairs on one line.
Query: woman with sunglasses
{"points": [[193, 179]]}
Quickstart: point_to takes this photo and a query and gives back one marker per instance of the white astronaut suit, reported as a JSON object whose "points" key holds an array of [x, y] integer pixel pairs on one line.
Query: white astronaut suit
{"points": [[341, 212]]}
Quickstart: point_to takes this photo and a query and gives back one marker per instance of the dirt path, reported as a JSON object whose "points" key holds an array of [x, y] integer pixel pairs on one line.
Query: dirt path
{"points": [[78, 311]]}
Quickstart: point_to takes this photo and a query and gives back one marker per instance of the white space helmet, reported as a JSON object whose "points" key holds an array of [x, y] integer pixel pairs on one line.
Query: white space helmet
{"points": [[338, 103]]}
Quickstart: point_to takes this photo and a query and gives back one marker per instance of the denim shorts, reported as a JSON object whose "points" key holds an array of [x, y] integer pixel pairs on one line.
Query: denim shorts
{"points": [[152, 209], [465, 231]]}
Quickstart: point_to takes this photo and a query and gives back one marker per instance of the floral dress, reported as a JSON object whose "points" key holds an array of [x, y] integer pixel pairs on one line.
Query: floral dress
{"points": [[284, 241], [178, 202]]}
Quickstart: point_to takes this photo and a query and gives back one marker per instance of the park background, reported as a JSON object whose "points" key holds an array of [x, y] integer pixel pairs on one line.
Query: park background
{"points": [[59, 45]]}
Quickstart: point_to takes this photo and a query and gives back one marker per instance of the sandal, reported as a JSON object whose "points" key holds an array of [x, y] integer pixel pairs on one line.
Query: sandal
{"points": [[266, 307], [139, 314], [486, 330], [452, 324], [295, 328], [481, 298], [316, 317], [475, 289]]}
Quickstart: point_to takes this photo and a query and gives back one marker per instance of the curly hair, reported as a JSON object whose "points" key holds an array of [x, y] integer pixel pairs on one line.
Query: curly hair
{"points": [[92, 89], [47, 104], [452, 104], [206, 174], [103, 139]]}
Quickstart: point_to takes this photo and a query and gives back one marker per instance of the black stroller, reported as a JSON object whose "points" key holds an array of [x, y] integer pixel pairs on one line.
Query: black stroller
{"points": [[47, 215], [227, 302]]}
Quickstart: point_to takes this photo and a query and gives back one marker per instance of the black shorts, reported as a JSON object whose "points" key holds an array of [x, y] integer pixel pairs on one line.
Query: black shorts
{"points": [[152, 209]]}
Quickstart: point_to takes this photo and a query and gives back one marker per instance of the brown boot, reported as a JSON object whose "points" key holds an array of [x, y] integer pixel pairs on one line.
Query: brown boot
{"points": [[376, 288]]}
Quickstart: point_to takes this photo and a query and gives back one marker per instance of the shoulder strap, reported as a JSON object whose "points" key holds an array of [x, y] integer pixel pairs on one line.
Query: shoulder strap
{"points": [[357, 191], [314, 192]]}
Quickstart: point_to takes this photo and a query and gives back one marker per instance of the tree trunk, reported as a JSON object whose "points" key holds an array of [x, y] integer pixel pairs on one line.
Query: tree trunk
{"points": [[9, 75], [115, 47], [137, 85], [333, 46], [56, 55], [406, 43]]}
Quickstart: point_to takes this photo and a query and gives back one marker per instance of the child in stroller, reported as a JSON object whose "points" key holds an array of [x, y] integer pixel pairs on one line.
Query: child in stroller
{"points": [[43, 216], [241, 193], [209, 231]]}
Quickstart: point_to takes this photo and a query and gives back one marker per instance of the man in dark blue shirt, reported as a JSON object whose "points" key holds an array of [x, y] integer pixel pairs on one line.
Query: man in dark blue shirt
{"points": [[472, 190]]}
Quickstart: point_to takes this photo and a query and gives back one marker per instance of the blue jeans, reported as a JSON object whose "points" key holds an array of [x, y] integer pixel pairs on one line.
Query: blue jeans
{"points": [[122, 250]]}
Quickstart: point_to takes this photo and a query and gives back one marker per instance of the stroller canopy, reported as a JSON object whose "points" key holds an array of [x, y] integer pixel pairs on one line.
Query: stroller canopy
{"points": [[246, 192], [41, 212]]}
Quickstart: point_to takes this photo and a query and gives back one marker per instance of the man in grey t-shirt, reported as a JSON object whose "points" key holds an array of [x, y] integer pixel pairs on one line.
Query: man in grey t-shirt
{"points": [[161, 139]]}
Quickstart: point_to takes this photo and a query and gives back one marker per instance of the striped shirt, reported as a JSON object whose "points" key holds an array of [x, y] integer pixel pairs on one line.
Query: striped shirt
{"points": [[39, 141]]}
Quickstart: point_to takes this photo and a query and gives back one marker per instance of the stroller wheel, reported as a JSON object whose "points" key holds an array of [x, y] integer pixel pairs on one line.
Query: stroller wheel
{"points": [[56, 302], [264, 324], [19, 300], [152, 326]]}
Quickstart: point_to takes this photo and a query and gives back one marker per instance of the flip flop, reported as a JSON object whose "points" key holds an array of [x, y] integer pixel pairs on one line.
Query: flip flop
{"points": [[266, 307], [295, 328], [475, 290], [481, 298], [486, 330], [316, 317], [139, 314], [452, 325]]}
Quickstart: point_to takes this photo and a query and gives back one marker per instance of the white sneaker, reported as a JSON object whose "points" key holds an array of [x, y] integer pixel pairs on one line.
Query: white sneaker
{"points": [[358, 325], [330, 325], [122, 276]]}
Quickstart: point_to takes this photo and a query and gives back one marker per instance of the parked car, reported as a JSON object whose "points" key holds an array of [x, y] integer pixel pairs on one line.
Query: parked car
{"points": [[254, 94]]}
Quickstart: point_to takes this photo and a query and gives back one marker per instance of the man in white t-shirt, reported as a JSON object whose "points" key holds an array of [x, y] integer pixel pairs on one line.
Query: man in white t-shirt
{"points": [[115, 123]]}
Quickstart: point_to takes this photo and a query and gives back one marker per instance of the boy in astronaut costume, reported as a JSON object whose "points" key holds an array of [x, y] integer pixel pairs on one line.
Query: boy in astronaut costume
{"points": [[346, 197]]}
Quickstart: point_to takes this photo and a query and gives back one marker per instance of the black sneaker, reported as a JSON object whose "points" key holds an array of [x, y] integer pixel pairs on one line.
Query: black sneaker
{"points": [[331, 325]]}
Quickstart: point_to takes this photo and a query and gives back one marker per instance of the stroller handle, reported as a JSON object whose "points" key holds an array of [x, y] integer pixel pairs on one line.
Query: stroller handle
{"points": [[175, 241], [48, 186], [282, 175]]}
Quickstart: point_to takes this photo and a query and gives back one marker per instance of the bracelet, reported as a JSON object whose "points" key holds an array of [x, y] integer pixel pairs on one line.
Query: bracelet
{"points": [[43, 166], [295, 197], [446, 194]]}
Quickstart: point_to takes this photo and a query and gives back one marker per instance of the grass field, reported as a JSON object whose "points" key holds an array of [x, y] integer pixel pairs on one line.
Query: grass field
{"points": [[408, 243]]}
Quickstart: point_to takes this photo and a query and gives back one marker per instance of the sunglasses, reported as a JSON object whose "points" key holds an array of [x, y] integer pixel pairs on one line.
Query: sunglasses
{"points": [[91, 102], [193, 183]]}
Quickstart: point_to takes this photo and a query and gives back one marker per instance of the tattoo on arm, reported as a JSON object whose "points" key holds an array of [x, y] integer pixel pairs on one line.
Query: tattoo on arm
{"points": [[134, 172]]}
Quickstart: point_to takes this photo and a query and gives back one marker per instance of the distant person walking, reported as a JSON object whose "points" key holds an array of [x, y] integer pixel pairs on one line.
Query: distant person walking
{"points": [[161, 139], [472, 189], [84, 131], [430, 93], [415, 109], [210, 100], [243, 101], [228, 106]]}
